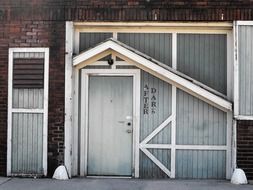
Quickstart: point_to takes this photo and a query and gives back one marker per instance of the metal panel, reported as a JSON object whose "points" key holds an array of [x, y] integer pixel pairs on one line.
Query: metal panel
{"points": [[204, 58], [156, 45], [151, 120], [200, 164], [245, 52], [88, 39], [27, 143], [150, 170], [28, 98], [110, 126], [198, 123]]}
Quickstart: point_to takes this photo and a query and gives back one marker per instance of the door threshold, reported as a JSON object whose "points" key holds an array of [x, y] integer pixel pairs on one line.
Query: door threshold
{"points": [[110, 177]]}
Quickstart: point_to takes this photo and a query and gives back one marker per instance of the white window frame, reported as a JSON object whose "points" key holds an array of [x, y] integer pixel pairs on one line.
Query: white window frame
{"points": [[86, 73], [20, 110]]}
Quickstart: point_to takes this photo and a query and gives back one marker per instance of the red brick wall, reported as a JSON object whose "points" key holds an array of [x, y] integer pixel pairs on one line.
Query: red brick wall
{"points": [[245, 147], [36, 34], [127, 10]]}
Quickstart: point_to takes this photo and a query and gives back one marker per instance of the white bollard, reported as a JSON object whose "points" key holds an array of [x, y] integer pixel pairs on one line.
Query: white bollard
{"points": [[61, 173], [239, 177]]}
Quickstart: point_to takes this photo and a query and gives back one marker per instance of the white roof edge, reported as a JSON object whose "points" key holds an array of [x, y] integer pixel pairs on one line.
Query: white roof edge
{"points": [[167, 75]]}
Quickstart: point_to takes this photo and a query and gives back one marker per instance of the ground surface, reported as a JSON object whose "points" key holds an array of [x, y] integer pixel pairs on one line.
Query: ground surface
{"points": [[116, 184]]}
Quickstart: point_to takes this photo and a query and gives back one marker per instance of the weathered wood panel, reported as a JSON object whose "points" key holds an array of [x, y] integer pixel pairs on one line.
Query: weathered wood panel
{"points": [[200, 164], [28, 98], [245, 49], [27, 143], [90, 39], [204, 58], [156, 45], [198, 123]]}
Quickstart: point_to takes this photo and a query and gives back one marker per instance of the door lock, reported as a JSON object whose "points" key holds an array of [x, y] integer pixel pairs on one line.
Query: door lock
{"points": [[128, 123], [129, 131]]}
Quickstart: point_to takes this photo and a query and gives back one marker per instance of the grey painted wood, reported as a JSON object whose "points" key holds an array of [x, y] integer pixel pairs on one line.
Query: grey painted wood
{"points": [[245, 49], [204, 58], [156, 45], [28, 98], [198, 123], [27, 143], [90, 39], [200, 164], [109, 143], [151, 121], [150, 169]]}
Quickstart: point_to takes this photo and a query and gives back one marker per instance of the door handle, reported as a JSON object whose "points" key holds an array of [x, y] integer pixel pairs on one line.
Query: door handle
{"points": [[129, 130]]}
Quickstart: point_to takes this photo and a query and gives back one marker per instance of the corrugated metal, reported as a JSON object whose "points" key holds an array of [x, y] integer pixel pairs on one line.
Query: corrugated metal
{"points": [[198, 123], [204, 58], [90, 39], [245, 70], [149, 169], [200, 164], [152, 120], [27, 144], [28, 98], [158, 46]]}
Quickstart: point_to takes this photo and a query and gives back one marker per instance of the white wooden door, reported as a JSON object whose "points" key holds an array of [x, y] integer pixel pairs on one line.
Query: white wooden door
{"points": [[110, 126]]}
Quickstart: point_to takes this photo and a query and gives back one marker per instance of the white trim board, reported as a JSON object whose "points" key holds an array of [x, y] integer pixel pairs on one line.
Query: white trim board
{"points": [[85, 73], [156, 70], [16, 110]]}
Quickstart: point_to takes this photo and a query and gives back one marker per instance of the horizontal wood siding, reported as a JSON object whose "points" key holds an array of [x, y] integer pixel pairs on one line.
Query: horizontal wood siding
{"points": [[27, 143], [157, 46], [245, 70], [204, 58], [198, 123], [28, 73], [28, 98], [200, 164]]}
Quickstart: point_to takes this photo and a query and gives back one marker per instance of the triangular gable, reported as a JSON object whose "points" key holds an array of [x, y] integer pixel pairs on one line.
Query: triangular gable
{"points": [[157, 69]]}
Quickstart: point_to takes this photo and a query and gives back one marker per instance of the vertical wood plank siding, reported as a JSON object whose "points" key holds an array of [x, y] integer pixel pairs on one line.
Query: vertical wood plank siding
{"points": [[28, 98], [199, 123], [27, 143], [148, 169], [245, 70], [158, 46], [151, 121], [90, 39], [204, 58], [200, 164]]}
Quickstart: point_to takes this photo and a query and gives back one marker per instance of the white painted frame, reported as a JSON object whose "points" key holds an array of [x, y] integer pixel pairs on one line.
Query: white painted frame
{"points": [[21, 110], [173, 28], [237, 114], [86, 73]]}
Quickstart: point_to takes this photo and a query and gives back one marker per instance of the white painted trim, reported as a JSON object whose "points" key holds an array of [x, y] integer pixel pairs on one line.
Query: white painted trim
{"points": [[156, 24], [84, 113], [68, 97], [9, 126], [236, 71], [234, 146], [17, 110], [174, 50], [244, 23], [23, 110], [229, 145], [184, 147], [157, 71], [173, 132], [243, 117]]}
